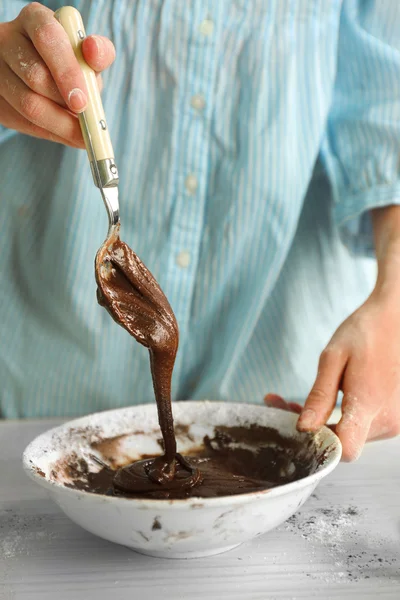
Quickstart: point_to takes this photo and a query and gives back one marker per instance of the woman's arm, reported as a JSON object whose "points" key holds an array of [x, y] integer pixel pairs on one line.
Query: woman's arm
{"points": [[363, 357], [386, 225]]}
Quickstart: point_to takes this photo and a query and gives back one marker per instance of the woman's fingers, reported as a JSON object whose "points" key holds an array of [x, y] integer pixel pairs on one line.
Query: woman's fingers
{"points": [[276, 401], [27, 64], [357, 411], [384, 425], [322, 398], [294, 407], [41, 81], [37, 109], [53, 45], [14, 120]]}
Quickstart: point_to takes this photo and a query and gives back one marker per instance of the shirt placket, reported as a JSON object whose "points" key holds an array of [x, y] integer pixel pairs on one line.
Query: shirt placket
{"points": [[200, 21]]}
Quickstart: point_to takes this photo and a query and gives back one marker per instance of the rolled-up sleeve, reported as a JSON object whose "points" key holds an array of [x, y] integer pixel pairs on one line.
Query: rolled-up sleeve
{"points": [[362, 142]]}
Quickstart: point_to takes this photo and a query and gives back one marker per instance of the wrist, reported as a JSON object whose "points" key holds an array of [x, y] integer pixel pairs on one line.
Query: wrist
{"points": [[386, 222], [387, 287]]}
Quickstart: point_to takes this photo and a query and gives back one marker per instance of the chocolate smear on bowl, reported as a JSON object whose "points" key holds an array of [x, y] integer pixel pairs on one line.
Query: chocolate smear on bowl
{"points": [[235, 460]]}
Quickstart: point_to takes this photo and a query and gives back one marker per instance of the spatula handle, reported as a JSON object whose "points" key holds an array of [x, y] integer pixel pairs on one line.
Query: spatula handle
{"points": [[92, 121]]}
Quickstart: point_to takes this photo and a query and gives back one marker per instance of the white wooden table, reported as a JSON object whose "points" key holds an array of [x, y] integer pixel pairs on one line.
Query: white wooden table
{"points": [[344, 543]]}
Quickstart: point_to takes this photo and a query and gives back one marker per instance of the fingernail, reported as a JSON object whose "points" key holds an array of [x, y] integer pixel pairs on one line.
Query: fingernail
{"points": [[307, 418], [77, 100]]}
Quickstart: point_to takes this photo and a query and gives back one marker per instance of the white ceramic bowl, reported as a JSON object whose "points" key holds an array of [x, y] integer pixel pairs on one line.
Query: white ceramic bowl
{"points": [[188, 528]]}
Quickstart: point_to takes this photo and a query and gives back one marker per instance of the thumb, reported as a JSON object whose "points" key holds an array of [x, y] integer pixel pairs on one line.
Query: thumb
{"points": [[322, 398], [98, 51]]}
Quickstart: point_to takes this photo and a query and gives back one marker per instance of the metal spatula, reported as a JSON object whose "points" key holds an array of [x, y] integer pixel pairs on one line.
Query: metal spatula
{"points": [[94, 125]]}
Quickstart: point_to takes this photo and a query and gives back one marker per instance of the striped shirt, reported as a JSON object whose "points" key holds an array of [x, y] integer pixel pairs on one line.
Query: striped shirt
{"points": [[252, 138]]}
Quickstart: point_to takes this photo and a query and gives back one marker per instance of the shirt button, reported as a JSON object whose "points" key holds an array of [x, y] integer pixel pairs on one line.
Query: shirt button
{"points": [[206, 27], [198, 102], [183, 259], [191, 184]]}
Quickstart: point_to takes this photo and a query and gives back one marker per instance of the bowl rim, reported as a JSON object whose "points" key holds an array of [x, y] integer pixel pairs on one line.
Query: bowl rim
{"points": [[193, 501]]}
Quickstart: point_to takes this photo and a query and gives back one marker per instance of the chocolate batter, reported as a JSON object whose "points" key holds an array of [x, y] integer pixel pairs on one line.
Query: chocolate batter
{"points": [[135, 301], [133, 298], [235, 460]]}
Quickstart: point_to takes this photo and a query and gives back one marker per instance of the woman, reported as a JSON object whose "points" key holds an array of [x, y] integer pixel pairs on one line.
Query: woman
{"points": [[257, 145]]}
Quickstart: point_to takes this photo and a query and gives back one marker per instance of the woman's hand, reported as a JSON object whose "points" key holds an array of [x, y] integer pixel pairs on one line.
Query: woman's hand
{"points": [[362, 360], [363, 357], [41, 84]]}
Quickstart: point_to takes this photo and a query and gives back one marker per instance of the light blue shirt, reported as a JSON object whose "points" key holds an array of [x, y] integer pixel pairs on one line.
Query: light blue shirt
{"points": [[252, 139]]}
